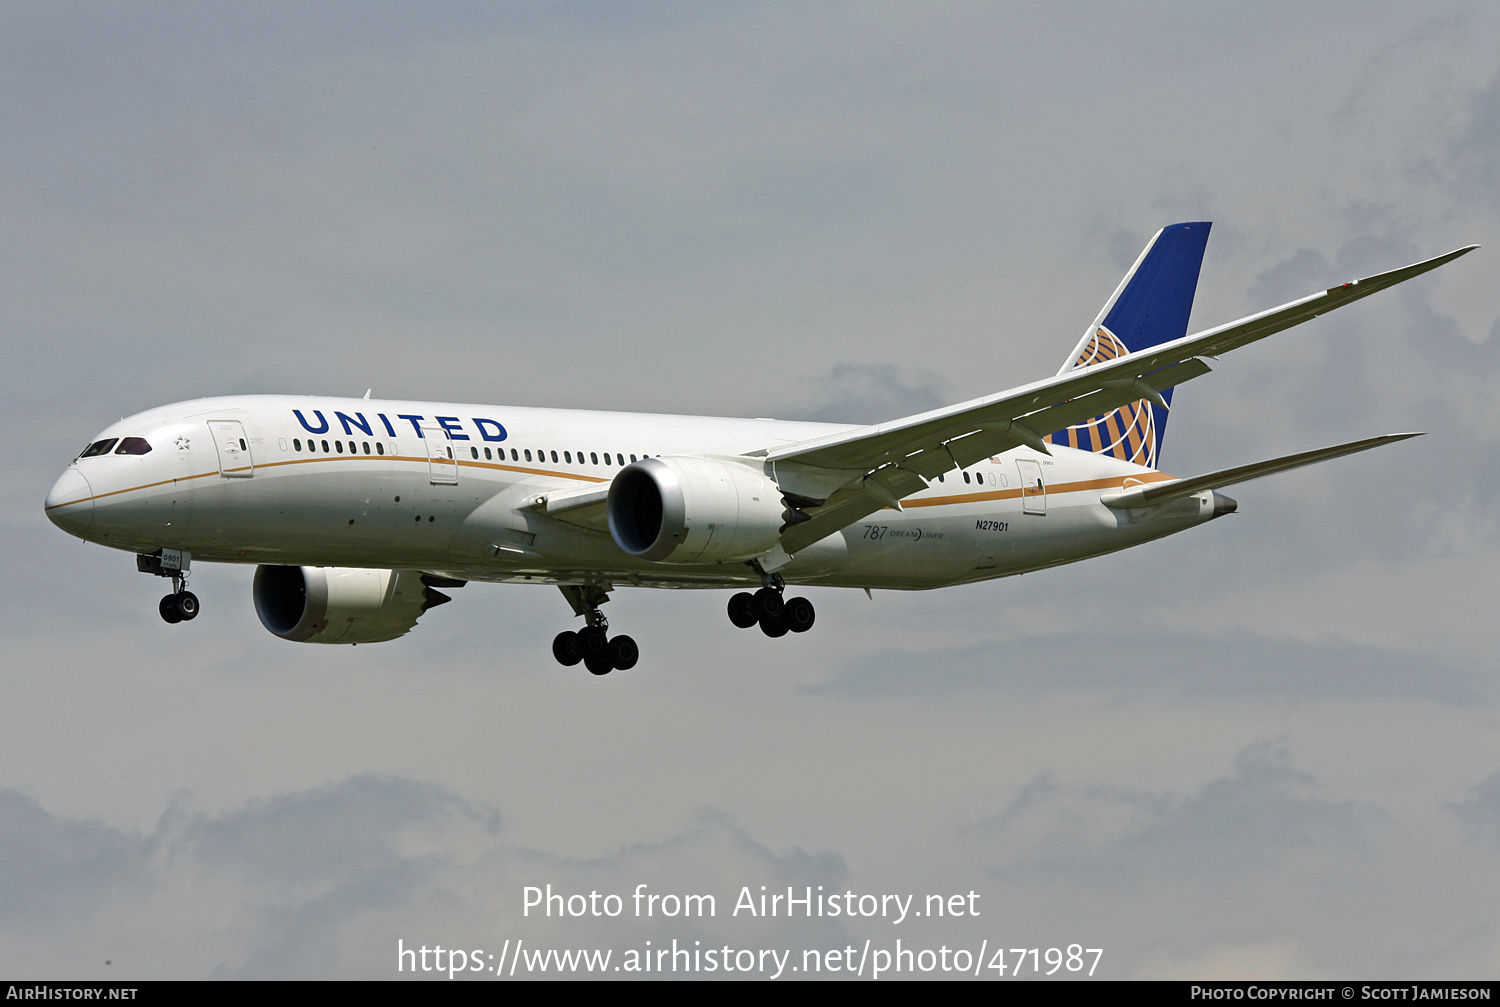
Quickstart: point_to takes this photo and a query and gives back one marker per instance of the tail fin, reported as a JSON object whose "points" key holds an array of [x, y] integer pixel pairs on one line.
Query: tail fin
{"points": [[1150, 306]]}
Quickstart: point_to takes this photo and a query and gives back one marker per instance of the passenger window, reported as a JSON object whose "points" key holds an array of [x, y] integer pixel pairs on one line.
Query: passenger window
{"points": [[338, 446], [568, 457], [99, 448], [486, 454], [514, 456], [474, 452], [966, 477], [554, 456], [138, 446], [366, 446], [379, 448], [594, 457], [296, 443], [325, 447], [632, 458], [528, 454], [243, 445]]}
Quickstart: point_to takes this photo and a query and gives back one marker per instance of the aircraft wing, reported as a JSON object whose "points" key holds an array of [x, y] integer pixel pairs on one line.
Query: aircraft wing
{"points": [[871, 467], [1155, 493]]}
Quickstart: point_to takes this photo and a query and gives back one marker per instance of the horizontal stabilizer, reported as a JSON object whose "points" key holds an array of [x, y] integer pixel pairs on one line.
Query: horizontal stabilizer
{"points": [[1155, 493]]}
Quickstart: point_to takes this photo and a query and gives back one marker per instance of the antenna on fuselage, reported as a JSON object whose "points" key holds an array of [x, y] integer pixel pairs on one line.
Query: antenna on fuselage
{"points": [[367, 392]]}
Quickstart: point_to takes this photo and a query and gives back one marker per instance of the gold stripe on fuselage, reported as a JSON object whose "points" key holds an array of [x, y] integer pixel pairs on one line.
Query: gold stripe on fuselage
{"points": [[1111, 482]]}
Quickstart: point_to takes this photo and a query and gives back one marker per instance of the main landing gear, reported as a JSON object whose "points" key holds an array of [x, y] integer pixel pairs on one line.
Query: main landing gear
{"points": [[181, 605], [766, 607], [592, 645]]}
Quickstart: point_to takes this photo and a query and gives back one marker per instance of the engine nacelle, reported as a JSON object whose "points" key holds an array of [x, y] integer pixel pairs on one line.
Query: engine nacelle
{"points": [[319, 604], [682, 509]]}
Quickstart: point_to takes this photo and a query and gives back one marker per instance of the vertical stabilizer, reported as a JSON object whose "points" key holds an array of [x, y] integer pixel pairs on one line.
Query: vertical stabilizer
{"points": [[1150, 306]]}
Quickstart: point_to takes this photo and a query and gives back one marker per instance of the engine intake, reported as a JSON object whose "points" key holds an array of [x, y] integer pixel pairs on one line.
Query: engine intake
{"points": [[682, 509], [317, 604]]}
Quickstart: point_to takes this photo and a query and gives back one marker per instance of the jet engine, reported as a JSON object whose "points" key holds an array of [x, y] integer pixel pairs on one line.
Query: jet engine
{"points": [[318, 604], [683, 509]]}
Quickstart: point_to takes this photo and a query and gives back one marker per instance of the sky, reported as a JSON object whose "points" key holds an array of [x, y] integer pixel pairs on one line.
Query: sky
{"points": [[1262, 748]]}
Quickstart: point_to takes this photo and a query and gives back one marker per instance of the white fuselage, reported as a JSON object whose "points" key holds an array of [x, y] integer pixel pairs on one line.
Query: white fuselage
{"points": [[448, 488]]}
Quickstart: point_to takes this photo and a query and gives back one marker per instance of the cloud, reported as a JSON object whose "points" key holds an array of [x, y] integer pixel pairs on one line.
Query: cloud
{"points": [[1278, 958], [1480, 809], [323, 883], [1256, 873], [58, 868], [1160, 666], [363, 824], [869, 393], [1244, 822], [1476, 149]]}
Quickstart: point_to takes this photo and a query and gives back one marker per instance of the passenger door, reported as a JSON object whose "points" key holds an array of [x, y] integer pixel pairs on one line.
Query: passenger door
{"points": [[233, 448], [1033, 489], [442, 466]]}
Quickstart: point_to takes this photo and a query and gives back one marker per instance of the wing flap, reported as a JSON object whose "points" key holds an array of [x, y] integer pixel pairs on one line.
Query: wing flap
{"points": [[876, 491], [969, 443], [1123, 392]]}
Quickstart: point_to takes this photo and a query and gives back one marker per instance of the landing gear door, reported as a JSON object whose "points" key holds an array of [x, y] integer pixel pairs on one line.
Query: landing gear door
{"points": [[233, 448], [1033, 489], [441, 464]]}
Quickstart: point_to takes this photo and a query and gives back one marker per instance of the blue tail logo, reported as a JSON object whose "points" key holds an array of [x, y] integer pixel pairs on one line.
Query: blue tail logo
{"points": [[1151, 306]]}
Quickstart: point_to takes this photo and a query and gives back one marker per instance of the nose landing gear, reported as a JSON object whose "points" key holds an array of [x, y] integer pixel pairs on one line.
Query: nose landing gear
{"points": [[775, 615], [181, 605], [593, 645]]}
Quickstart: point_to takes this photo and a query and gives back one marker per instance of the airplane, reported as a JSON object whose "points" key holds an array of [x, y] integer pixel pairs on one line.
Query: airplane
{"points": [[358, 513]]}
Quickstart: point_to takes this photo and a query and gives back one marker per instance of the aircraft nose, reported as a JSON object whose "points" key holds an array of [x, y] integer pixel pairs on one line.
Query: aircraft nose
{"points": [[70, 505]]}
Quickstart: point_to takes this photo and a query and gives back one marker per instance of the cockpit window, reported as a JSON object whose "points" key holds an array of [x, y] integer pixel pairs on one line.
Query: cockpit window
{"points": [[133, 446], [99, 447]]}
